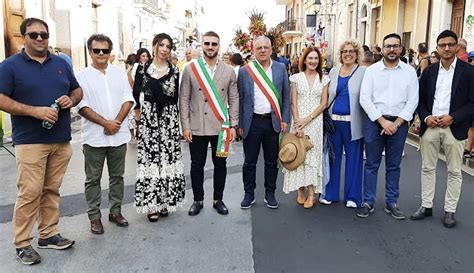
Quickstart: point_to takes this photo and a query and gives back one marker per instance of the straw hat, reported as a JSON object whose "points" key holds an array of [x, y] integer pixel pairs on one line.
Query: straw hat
{"points": [[293, 150]]}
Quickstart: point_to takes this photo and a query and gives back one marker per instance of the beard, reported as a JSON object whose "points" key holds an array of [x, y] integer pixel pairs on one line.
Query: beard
{"points": [[210, 55]]}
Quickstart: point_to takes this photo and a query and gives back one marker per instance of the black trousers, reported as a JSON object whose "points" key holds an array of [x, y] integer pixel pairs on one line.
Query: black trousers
{"points": [[198, 149], [261, 134]]}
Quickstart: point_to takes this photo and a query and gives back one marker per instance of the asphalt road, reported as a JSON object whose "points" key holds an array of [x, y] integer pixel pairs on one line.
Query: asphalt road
{"points": [[333, 239]]}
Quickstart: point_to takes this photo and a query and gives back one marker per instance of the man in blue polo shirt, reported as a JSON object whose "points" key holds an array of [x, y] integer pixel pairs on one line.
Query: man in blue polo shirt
{"points": [[30, 82]]}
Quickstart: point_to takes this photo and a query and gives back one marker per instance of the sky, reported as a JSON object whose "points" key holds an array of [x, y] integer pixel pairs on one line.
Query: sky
{"points": [[224, 16]]}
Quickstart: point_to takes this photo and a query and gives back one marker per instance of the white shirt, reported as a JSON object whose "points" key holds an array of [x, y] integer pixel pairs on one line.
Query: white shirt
{"points": [[389, 91], [442, 97], [261, 103], [104, 94], [208, 68]]}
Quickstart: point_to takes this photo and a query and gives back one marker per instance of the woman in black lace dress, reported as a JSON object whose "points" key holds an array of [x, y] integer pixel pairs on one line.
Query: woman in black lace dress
{"points": [[160, 185]]}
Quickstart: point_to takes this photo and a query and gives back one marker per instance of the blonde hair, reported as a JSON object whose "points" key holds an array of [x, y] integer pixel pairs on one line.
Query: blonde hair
{"points": [[355, 45]]}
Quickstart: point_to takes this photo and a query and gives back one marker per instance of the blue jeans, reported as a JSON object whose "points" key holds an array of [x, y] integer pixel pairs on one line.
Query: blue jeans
{"points": [[374, 146]]}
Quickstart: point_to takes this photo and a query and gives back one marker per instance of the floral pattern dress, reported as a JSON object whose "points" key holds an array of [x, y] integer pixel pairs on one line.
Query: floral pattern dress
{"points": [[311, 171], [160, 172]]}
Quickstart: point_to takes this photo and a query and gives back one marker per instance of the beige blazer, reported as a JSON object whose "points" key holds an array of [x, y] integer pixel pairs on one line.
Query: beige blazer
{"points": [[195, 111]]}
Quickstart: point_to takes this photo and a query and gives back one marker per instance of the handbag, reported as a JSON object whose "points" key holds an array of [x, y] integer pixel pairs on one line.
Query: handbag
{"points": [[328, 123]]}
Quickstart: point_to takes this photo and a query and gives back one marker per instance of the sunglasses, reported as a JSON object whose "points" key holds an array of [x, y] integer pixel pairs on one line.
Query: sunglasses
{"points": [[35, 35], [104, 50], [209, 43]]}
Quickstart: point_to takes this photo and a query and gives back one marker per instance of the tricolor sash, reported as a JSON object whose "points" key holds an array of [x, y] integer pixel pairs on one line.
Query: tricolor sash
{"points": [[266, 86], [218, 106]]}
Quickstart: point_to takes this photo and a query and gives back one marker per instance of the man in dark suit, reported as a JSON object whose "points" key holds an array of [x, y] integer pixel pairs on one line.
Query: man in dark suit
{"points": [[445, 108], [264, 103]]}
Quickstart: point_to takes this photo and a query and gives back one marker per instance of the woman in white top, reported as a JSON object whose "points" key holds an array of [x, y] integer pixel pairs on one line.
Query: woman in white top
{"points": [[309, 95]]}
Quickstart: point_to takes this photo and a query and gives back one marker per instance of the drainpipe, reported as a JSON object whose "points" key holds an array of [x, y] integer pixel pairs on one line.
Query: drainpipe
{"points": [[428, 26], [357, 18]]}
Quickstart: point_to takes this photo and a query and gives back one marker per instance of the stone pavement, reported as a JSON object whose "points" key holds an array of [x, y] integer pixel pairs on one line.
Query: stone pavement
{"points": [[290, 239]]}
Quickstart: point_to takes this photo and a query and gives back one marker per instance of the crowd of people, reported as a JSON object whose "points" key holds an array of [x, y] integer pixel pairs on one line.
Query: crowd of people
{"points": [[302, 118]]}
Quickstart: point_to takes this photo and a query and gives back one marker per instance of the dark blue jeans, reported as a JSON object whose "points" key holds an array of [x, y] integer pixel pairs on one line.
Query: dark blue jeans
{"points": [[261, 134], [374, 146]]}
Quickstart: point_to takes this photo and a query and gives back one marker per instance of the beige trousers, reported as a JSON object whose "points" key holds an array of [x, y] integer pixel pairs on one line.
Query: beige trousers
{"points": [[41, 168], [430, 144]]}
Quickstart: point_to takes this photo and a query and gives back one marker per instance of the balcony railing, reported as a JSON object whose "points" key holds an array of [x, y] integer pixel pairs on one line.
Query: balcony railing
{"points": [[289, 25]]}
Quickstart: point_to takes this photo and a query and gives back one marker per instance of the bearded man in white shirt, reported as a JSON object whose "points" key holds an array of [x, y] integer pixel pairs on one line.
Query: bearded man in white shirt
{"points": [[106, 103], [445, 109], [389, 96]]}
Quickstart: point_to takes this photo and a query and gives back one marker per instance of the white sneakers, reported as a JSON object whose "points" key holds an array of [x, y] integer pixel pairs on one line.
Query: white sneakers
{"points": [[351, 204], [324, 201]]}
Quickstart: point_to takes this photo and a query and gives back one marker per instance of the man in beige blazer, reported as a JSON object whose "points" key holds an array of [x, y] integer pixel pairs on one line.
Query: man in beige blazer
{"points": [[201, 126]]}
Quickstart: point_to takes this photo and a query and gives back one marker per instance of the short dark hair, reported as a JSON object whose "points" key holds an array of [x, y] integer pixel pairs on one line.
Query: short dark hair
{"points": [[423, 47], [392, 35], [237, 59], [29, 21], [99, 38], [211, 34], [445, 34], [160, 37]]}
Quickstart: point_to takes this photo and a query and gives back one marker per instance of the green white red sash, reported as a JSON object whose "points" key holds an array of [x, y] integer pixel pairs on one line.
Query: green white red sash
{"points": [[218, 107], [266, 86]]}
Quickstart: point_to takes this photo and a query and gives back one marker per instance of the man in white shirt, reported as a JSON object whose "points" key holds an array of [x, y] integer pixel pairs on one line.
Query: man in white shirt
{"points": [[389, 96], [107, 100], [445, 109], [264, 95]]}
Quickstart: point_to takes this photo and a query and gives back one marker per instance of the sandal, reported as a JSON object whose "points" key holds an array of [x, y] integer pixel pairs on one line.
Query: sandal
{"points": [[153, 217]]}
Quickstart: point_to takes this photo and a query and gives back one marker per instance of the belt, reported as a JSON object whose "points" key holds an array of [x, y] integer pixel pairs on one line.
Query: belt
{"points": [[266, 115], [391, 118], [341, 118]]}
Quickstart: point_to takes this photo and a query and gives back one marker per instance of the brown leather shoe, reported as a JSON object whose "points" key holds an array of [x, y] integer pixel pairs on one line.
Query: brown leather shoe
{"points": [[118, 219], [96, 226]]}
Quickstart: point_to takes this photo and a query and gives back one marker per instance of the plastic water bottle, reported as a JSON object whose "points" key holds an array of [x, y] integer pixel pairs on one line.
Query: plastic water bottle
{"points": [[46, 124]]}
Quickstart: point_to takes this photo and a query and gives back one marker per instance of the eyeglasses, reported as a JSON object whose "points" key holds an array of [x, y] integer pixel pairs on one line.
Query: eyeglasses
{"points": [[450, 45], [348, 51], [209, 43], [390, 47], [104, 50], [35, 35]]}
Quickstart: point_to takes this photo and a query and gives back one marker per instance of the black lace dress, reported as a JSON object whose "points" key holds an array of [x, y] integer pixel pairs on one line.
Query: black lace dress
{"points": [[160, 173]]}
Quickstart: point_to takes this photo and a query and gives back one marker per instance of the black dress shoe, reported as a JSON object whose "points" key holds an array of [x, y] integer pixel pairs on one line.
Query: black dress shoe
{"points": [[195, 208], [421, 213], [449, 220], [220, 207]]}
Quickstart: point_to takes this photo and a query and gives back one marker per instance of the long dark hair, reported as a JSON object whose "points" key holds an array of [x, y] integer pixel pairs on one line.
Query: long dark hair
{"points": [[140, 52]]}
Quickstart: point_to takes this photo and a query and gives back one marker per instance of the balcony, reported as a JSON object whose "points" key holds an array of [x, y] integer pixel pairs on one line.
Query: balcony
{"points": [[290, 29]]}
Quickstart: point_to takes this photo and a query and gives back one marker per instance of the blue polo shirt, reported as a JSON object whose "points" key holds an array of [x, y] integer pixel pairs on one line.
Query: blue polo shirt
{"points": [[30, 82]]}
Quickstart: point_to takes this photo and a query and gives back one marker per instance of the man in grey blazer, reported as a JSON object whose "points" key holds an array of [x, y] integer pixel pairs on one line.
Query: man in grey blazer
{"points": [[259, 124], [199, 122]]}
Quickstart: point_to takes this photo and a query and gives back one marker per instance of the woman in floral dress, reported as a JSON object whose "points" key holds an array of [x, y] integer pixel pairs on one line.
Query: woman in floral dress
{"points": [[160, 185], [308, 100]]}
